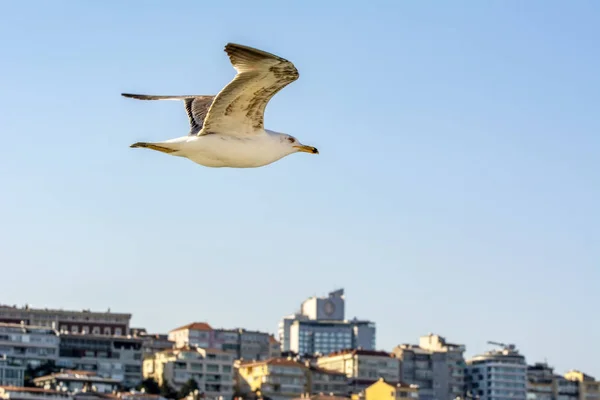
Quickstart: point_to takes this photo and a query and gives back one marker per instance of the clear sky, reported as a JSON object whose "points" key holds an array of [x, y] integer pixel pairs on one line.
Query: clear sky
{"points": [[457, 189]]}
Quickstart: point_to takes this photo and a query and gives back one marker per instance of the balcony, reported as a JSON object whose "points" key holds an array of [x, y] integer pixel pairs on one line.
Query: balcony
{"points": [[213, 378]]}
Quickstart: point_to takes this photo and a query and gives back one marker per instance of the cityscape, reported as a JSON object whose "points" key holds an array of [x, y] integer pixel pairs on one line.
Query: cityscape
{"points": [[317, 353]]}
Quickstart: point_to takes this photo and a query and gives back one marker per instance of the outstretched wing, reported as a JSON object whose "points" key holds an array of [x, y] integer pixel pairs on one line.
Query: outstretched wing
{"points": [[239, 108], [196, 107]]}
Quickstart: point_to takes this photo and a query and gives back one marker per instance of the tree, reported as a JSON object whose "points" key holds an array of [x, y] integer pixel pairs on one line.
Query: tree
{"points": [[167, 391], [188, 388], [150, 386], [46, 368]]}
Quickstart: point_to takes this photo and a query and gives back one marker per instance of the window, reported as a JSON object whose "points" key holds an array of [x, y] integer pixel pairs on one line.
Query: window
{"points": [[12, 374], [118, 331], [196, 366], [107, 331], [74, 329], [212, 368], [85, 330], [96, 330]]}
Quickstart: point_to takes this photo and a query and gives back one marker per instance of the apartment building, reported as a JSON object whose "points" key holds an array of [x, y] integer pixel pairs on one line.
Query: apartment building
{"points": [[434, 365], [28, 345], [566, 389], [85, 321], [588, 386], [320, 327], [382, 390], [274, 347], [242, 343], [113, 357], [544, 384], [540, 382], [212, 369], [363, 367], [497, 374], [276, 378], [152, 342], [11, 374], [326, 381]]}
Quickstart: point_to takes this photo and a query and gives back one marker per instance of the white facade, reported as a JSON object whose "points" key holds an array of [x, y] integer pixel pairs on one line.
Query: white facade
{"points": [[242, 343], [497, 375], [320, 328], [363, 367], [28, 345], [330, 308], [212, 369]]}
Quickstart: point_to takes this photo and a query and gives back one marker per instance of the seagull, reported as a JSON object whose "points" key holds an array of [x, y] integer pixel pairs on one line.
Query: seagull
{"points": [[227, 130]]}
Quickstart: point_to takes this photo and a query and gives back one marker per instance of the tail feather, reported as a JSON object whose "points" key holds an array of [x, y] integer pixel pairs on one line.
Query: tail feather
{"points": [[153, 146], [156, 97]]}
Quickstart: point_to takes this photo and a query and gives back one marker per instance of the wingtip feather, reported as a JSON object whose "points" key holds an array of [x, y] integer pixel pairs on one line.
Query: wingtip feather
{"points": [[240, 54]]}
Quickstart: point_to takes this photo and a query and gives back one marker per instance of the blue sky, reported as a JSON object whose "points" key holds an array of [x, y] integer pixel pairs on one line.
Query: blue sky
{"points": [[456, 191]]}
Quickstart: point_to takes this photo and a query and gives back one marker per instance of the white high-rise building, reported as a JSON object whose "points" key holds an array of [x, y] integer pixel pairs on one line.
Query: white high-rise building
{"points": [[321, 327], [497, 375]]}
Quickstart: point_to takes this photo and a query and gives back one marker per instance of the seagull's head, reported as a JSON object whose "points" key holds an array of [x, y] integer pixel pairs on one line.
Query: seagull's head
{"points": [[294, 145]]}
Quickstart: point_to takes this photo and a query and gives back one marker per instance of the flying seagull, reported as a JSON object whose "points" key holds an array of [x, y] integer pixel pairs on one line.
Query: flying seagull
{"points": [[227, 130]]}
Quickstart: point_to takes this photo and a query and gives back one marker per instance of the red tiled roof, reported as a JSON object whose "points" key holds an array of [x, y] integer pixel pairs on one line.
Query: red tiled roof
{"points": [[272, 339], [195, 326]]}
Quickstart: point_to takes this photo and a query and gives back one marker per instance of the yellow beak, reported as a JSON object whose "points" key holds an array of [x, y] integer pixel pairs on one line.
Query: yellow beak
{"points": [[307, 149]]}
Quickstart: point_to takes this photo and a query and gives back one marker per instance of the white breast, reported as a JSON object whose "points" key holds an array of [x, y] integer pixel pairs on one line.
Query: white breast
{"points": [[218, 150]]}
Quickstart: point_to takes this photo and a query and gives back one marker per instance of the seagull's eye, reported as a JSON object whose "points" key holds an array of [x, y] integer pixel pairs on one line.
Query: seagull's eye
{"points": [[291, 140]]}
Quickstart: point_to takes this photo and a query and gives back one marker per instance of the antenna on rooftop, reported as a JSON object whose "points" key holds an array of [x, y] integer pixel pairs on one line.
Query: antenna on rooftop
{"points": [[503, 345]]}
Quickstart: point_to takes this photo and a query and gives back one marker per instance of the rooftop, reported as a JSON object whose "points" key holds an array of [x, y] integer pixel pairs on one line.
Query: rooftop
{"points": [[321, 370], [194, 326], [273, 361], [29, 390], [399, 385], [361, 352], [28, 308], [413, 347], [75, 376], [539, 367], [192, 349], [324, 322], [508, 353], [28, 328], [576, 375]]}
